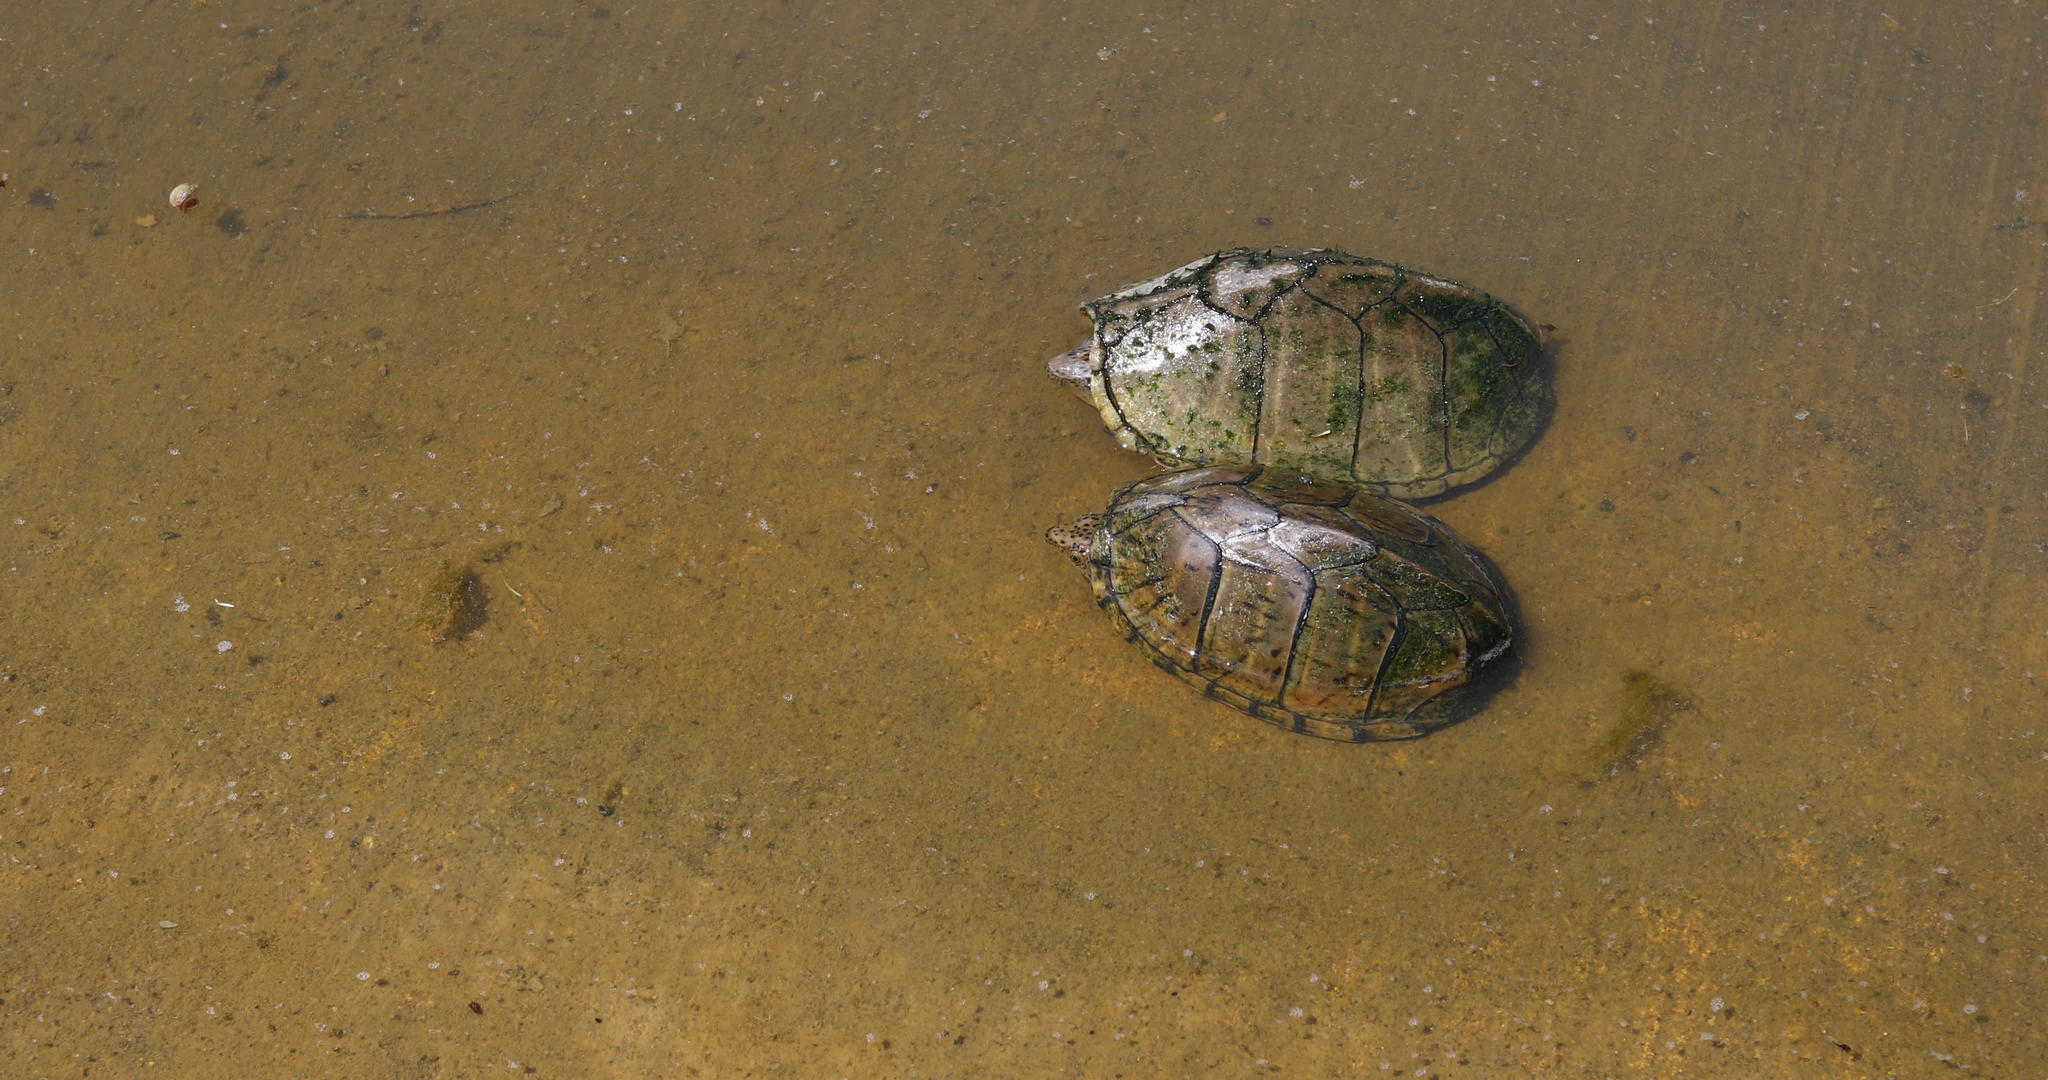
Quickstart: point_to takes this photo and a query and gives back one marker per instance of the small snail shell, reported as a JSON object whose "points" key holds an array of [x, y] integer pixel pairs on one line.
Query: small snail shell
{"points": [[185, 196]]}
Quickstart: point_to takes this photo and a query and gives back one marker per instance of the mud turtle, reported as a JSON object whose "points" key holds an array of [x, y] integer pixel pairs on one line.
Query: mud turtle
{"points": [[1313, 604], [1332, 364]]}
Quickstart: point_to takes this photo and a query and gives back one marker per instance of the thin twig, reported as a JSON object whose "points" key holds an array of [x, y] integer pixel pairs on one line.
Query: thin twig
{"points": [[438, 211]]}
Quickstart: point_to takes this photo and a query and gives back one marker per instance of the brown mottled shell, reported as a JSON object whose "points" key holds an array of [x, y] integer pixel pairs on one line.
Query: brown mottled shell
{"points": [[1309, 359], [1315, 605]]}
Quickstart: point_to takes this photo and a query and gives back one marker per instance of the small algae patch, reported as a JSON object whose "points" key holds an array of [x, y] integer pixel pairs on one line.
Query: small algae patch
{"points": [[1649, 705], [454, 604]]}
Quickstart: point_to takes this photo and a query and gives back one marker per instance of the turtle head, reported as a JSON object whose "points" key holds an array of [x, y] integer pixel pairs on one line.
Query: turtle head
{"points": [[1076, 537], [1074, 368]]}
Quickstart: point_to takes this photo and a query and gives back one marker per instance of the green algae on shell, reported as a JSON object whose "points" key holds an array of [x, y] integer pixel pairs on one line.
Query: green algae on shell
{"points": [[1331, 364]]}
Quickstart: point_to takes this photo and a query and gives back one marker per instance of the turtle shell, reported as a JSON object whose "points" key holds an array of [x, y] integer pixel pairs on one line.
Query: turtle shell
{"points": [[1319, 361], [1316, 605]]}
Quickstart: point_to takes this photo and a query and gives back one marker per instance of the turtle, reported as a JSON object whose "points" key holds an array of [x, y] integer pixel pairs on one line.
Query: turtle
{"points": [[1315, 604], [1336, 365]]}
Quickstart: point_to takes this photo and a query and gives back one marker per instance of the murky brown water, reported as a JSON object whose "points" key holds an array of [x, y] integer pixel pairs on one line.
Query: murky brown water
{"points": [[785, 747]]}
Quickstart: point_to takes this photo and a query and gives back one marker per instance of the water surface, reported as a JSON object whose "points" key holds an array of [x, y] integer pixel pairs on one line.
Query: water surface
{"points": [[771, 739]]}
